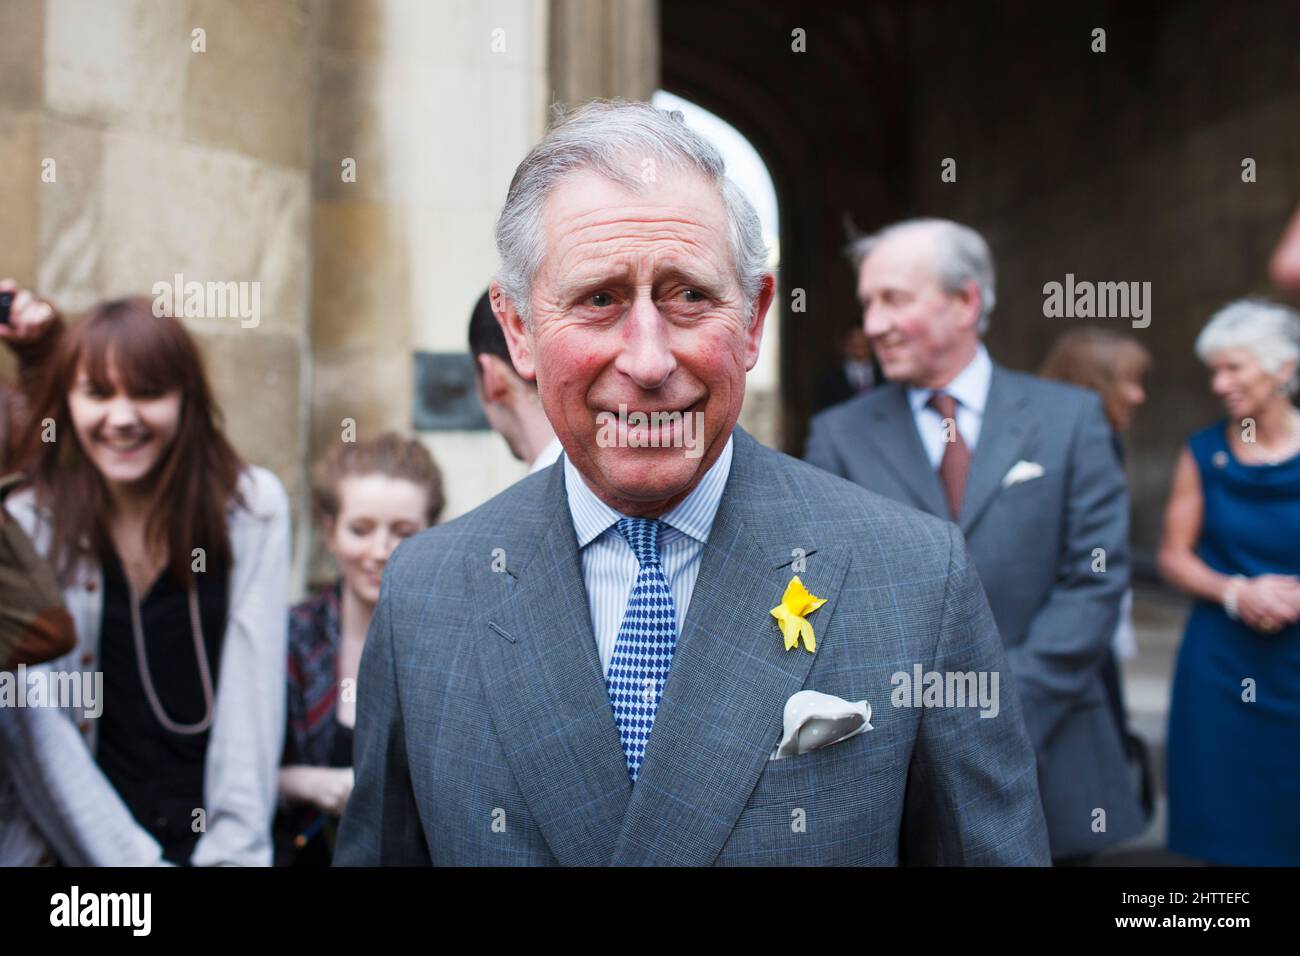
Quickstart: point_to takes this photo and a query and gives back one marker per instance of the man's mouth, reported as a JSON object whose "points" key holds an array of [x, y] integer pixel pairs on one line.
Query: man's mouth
{"points": [[657, 427], [650, 414]]}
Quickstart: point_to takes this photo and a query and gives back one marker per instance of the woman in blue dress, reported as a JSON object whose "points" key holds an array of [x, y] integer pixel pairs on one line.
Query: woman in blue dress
{"points": [[1232, 542]]}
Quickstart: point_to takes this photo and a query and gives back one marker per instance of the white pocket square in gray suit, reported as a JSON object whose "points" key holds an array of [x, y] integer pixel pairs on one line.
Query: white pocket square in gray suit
{"points": [[1022, 471], [814, 720]]}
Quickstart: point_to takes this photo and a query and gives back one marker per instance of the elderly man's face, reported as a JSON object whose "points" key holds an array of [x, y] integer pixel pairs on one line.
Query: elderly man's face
{"points": [[921, 334], [637, 303]]}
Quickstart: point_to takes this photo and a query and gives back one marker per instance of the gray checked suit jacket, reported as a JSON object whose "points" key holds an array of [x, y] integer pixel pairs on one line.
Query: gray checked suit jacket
{"points": [[1033, 544], [485, 734]]}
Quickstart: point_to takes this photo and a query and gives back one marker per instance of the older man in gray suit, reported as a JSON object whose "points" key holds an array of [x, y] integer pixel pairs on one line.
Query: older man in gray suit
{"points": [[626, 657], [1028, 470]]}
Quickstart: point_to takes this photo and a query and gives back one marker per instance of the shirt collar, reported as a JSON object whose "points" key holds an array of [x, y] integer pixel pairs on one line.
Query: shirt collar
{"points": [[970, 387], [692, 516], [547, 456]]}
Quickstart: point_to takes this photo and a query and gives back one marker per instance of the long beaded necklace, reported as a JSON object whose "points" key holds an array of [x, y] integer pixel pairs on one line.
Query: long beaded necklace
{"points": [[205, 672]]}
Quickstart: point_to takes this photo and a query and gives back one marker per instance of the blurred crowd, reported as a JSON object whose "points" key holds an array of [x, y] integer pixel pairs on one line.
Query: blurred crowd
{"points": [[137, 544]]}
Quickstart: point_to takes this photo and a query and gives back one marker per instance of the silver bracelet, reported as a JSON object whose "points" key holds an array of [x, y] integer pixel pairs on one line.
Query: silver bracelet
{"points": [[1230, 596]]}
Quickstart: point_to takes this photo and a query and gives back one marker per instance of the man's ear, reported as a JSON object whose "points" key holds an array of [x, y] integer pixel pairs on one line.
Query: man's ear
{"points": [[971, 302], [492, 377], [518, 337], [754, 332]]}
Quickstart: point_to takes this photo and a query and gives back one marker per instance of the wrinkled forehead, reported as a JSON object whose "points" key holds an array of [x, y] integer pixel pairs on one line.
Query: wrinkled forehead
{"points": [[675, 218]]}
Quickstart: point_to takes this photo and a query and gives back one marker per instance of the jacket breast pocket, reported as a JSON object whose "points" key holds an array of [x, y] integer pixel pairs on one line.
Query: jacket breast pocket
{"points": [[841, 805], [825, 770]]}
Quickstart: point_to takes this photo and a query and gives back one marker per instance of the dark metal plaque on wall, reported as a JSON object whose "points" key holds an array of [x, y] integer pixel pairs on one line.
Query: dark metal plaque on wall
{"points": [[445, 395]]}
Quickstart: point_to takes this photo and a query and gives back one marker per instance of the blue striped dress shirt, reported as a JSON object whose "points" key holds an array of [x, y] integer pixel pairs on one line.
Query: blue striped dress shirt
{"points": [[609, 567]]}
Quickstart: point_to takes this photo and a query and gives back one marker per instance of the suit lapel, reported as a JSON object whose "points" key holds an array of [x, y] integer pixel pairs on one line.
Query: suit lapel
{"points": [[893, 432], [542, 677], [721, 712], [1004, 432]]}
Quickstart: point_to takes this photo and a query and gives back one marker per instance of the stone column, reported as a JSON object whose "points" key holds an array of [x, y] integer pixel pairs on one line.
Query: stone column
{"points": [[422, 112], [604, 48]]}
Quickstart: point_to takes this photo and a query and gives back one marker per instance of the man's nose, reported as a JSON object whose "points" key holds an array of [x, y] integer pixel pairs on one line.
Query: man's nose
{"points": [[646, 356]]}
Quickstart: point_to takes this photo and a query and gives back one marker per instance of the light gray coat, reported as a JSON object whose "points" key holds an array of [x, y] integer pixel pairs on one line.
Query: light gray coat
{"points": [[485, 734], [1034, 544]]}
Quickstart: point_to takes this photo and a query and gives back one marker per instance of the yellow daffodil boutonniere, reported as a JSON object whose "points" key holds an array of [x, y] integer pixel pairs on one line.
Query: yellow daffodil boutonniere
{"points": [[792, 615]]}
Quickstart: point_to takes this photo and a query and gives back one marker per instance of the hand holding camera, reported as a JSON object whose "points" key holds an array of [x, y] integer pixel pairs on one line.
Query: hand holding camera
{"points": [[23, 317]]}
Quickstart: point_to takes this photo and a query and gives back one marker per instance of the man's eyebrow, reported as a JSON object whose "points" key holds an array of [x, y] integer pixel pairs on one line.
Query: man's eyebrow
{"points": [[705, 279], [584, 281], [594, 278]]}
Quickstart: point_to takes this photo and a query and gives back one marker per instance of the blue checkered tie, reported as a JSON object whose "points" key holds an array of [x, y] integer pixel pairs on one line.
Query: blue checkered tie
{"points": [[644, 649]]}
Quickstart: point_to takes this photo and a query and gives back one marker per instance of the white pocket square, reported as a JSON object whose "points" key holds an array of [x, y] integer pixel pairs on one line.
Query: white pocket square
{"points": [[814, 720], [1022, 471]]}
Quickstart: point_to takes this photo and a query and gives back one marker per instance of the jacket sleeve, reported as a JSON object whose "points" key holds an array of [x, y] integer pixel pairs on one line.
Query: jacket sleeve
{"points": [[63, 790], [49, 767], [1069, 637], [381, 823], [247, 739], [972, 792]]}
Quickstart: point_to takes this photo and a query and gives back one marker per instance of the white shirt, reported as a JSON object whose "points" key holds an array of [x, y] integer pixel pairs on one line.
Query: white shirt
{"points": [[547, 456], [609, 566], [971, 390]]}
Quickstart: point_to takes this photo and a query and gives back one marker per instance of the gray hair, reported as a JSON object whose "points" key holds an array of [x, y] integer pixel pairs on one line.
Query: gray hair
{"points": [[1270, 332], [602, 136], [961, 256]]}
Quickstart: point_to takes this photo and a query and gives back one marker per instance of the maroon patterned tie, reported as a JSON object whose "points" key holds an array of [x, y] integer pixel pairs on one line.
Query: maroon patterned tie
{"points": [[955, 465]]}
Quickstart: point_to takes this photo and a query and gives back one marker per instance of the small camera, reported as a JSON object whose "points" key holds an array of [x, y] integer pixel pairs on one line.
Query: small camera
{"points": [[6, 300]]}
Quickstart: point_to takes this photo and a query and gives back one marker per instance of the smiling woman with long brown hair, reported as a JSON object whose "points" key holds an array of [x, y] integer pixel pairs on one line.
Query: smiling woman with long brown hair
{"points": [[173, 555]]}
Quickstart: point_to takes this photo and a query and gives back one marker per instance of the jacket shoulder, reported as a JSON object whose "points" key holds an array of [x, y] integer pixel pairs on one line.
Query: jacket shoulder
{"points": [[506, 520], [1050, 395], [844, 510], [856, 408]]}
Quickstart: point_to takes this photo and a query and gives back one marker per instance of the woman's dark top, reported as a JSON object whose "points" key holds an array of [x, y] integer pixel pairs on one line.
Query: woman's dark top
{"points": [[318, 848], [313, 737], [157, 773]]}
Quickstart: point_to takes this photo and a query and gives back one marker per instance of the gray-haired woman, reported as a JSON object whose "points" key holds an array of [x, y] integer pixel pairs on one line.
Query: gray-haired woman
{"points": [[1232, 542]]}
